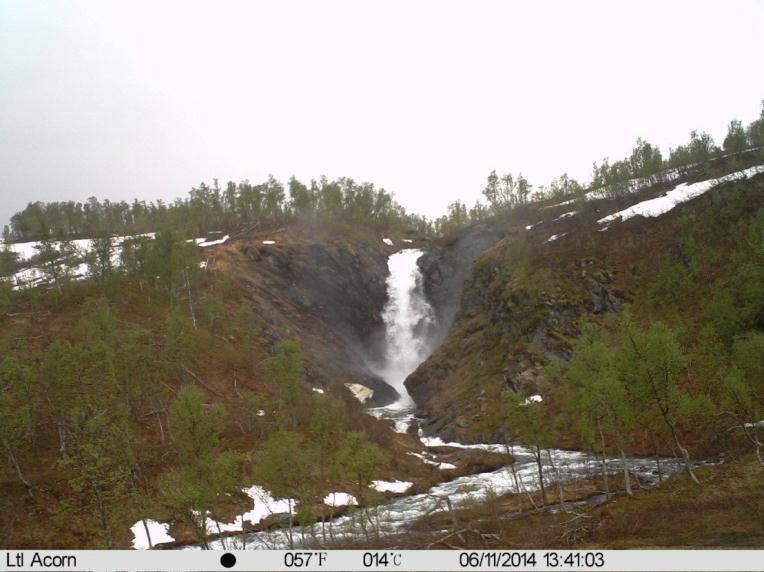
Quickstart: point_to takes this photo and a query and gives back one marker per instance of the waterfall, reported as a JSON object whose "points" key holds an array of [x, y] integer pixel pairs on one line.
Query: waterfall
{"points": [[408, 319]]}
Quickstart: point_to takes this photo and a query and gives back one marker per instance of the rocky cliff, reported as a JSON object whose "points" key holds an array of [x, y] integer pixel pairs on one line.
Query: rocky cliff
{"points": [[447, 265], [324, 289], [521, 307]]}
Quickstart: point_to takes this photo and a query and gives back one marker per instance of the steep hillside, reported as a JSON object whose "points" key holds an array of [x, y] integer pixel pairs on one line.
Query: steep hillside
{"points": [[126, 349], [322, 288], [557, 265], [447, 265]]}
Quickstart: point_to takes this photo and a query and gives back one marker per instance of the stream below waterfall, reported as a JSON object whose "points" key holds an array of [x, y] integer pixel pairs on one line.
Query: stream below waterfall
{"points": [[408, 317]]}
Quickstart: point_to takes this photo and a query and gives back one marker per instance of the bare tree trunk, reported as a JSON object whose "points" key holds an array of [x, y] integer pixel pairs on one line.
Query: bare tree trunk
{"points": [[201, 528], [190, 300], [148, 534], [220, 535], [541, 476], [559, 480], [15, 464], [62, 436], [626, 477], [161, 429], [291, 524], [657, 458], [683, 451], [604, 460]]}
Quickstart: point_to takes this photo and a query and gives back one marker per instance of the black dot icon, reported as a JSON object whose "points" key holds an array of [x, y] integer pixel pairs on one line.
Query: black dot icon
{"points": [[228, 560]]}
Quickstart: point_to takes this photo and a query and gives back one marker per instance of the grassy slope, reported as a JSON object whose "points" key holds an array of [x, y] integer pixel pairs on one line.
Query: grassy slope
{"points": [[527, 296], [40, 519], [727, 511]]}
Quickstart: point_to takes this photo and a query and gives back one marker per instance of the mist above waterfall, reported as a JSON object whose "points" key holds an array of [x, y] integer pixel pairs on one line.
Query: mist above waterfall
{"points": [[409, 320]]}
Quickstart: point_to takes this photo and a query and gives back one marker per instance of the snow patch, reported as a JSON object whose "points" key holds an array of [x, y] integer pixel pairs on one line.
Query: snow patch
{"points": [[533, 399], [214, 242], [340, 499], [423, 458], [391, 486], [407, 240], [565, 215], [158, 531], [569, 201], [387, 241], [679, 194], [360, 392], [555, 237], [264, 505], [269, 242], [317, 390]]}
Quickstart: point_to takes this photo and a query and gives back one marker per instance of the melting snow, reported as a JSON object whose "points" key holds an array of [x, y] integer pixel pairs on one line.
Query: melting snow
{"points": [[360, 392], [441, 466], [269, 242], [569, 201], [533, 399], [223, 240], [555, 237], [260, 413], [391, 486], [157, 530], [264, 505], [679, 194], [340, 499], [424, 459], [565, 215], [387, 241], [530, 226], [407, 241], [318, 390]]}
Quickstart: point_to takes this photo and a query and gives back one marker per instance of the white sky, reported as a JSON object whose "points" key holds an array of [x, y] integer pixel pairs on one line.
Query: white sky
{"points": [[146, 99]]}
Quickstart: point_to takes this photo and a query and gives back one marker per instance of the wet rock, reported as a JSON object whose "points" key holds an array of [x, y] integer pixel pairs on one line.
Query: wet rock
{"points": [[600, 298], [448, 264]]}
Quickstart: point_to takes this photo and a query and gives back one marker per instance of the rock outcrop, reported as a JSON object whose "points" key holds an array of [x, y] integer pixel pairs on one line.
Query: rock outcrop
{"points": [[326, 292], [447, 265]]}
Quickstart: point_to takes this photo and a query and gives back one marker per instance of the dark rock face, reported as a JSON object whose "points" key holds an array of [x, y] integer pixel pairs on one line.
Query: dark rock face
{"points": [[328, 294], [448, 265], [516, 312]]}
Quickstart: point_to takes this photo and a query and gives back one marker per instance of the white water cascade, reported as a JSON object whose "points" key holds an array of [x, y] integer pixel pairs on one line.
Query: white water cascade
{"points": [[408, 317]]}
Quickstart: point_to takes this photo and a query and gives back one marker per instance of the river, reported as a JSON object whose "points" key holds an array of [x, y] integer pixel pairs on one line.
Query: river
{"points": [[408, 318]]}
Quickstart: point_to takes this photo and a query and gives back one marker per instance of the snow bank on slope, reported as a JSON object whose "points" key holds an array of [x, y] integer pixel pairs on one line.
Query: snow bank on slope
{"points": [[340, 499], [555, 237], [214, 242], [679, 194], [424, 459], [391, 486], [565, 215], [158, 531]]}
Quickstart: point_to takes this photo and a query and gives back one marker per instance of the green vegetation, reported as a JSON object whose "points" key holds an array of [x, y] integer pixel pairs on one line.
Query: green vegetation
{"points": [[210, 208], [156, 387]]}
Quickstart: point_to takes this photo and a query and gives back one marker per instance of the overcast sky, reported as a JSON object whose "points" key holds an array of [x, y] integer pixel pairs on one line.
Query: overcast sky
{"points": [[133, 99]]}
